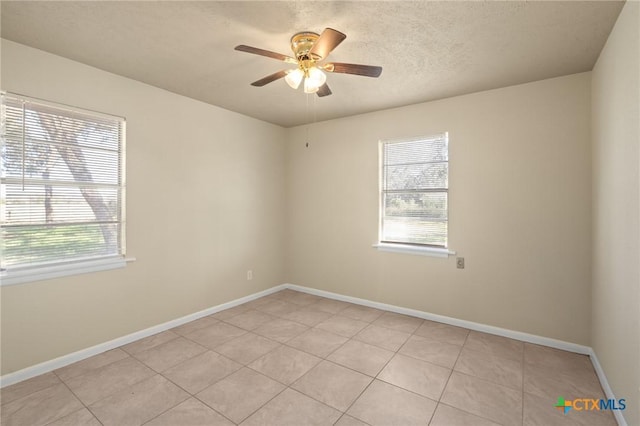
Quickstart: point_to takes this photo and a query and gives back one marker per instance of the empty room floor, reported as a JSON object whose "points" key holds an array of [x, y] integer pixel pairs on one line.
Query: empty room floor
{"points": [[292, 358]]}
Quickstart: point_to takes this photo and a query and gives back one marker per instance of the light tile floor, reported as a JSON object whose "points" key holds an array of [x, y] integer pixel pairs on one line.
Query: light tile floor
{"points": [[292, 358]]}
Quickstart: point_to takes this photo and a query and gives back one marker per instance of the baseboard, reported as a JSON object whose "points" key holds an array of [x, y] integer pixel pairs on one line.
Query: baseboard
{"points": [[518, 335], [47, 366], [605, 386]]}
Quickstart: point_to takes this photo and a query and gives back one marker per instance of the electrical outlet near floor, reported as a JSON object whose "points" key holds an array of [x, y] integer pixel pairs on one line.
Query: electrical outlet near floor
{"points": [[460, 262], [249, 275]]}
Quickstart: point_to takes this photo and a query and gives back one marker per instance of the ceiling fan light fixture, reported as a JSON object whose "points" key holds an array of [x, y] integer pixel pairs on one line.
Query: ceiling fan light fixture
{"points": [[315, 79], [294, 78], [309, 87]]}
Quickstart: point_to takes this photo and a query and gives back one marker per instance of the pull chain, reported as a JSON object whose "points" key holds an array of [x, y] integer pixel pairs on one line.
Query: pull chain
{"points": [[24, 118], [307, 120]]}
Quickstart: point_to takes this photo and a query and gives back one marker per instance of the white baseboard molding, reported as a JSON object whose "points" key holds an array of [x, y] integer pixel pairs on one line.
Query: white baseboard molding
{"points": [[65, 360], [47, 366], [605, 386], [518, 335]]}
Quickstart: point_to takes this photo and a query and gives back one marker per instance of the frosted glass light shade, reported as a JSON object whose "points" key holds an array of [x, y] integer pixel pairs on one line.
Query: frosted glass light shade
{"points": [[309, 87], [293, 78], [314, 80]]}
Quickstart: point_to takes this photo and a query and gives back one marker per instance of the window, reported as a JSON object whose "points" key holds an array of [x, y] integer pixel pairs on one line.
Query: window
{"points": [[414, 190], [62, 189]]}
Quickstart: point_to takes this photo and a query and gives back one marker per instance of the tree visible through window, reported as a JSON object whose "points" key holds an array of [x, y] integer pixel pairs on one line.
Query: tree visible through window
{"points": [[62, 177], [414, 191]]}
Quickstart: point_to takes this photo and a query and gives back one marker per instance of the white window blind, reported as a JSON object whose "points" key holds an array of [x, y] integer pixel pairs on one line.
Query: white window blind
{"points": [[62, 184], [414, 190]]}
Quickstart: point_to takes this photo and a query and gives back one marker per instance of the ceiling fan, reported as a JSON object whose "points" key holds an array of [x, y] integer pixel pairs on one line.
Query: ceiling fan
{"points": [[310, 49]]}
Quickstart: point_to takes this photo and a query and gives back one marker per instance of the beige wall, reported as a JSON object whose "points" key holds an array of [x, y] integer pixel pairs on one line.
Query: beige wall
{"points": [[520, 203], [205, 195], [616, 209]]}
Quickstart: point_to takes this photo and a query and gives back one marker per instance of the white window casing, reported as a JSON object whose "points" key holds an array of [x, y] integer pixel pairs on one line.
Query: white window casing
{"points": [[414, 186]]}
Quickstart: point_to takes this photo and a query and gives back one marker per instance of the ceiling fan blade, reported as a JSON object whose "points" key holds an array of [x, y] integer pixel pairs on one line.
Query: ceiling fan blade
{"points": [[323, 91], [267, 53], [328, 40], [365, 70], [268, 79]]}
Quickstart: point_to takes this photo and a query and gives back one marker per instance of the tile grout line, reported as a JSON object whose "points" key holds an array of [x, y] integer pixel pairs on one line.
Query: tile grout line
{"points": [[78, 398], [101, 367], [174, 365], [131, 354], [468, 412], [396, 352], [260, 407], [468, 375], [343, 413], [324, 358], [449, 378], [31, 393], [356, 399], [485, 381], [243, 335], [170, 408], [193, 395]]}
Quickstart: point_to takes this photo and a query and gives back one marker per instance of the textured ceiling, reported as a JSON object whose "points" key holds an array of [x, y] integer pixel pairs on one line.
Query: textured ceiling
{"points": [[428, 49]]}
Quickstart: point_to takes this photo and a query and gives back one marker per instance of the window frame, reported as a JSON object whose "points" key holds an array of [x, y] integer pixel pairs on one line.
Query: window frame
{"points": [[399, 246], [61, 267]]}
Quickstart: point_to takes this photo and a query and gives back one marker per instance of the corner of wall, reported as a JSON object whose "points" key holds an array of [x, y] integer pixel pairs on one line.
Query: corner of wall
{"points": [[615, 135]]}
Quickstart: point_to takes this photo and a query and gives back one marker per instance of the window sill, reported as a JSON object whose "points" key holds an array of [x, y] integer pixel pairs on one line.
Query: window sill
{"points": [[409, 249], [57, 271]]}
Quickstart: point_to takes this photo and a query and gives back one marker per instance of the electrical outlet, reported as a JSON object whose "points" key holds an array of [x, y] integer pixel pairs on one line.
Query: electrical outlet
{"points": [[249, 275], [460, 262]]}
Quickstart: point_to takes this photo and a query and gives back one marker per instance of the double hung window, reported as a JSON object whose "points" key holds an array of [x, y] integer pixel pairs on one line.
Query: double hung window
{"points": [[414, 186], [62, 188]]}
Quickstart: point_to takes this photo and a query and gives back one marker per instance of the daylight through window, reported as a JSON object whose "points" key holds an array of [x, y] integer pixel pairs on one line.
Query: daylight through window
{"points": [[414, 190], [62, 184]]}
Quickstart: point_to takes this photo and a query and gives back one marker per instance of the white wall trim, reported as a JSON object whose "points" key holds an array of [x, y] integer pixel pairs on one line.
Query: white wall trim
{"points": [[605, 386], [65, 360], [47, 366], [32, 274], [518, 335], [412, 249]]}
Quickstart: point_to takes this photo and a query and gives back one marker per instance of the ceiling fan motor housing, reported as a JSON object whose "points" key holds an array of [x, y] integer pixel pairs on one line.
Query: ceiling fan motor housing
{"points": [[301, 44]]}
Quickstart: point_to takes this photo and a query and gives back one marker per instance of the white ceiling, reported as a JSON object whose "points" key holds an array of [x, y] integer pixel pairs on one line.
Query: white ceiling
{"points": [[428, 49]]}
